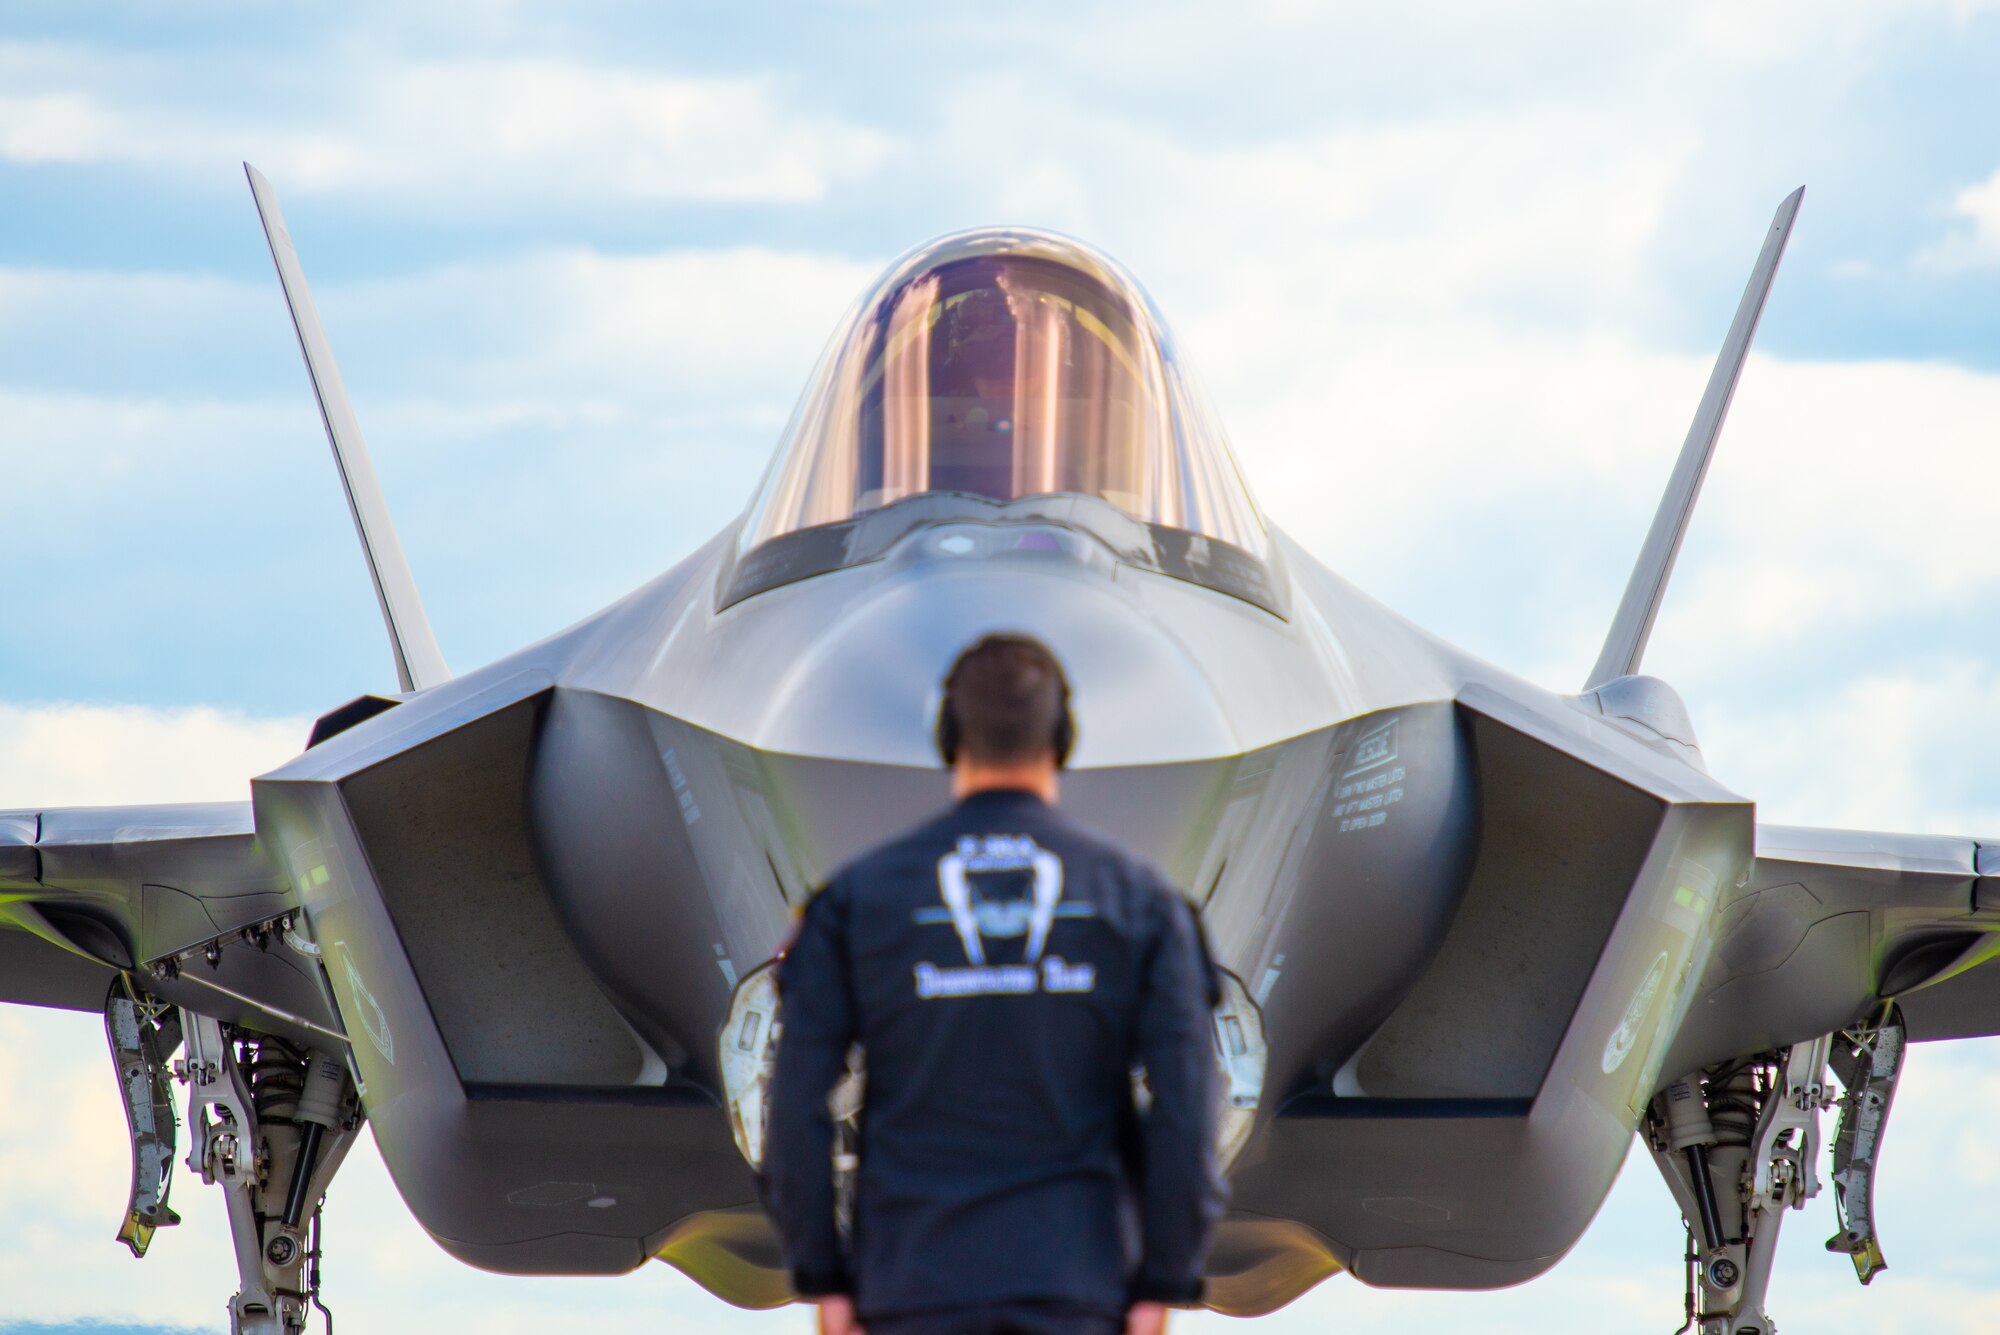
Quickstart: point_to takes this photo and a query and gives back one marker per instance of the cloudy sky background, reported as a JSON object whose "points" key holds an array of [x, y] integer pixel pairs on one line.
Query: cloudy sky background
{"points": [[1454, 273]]}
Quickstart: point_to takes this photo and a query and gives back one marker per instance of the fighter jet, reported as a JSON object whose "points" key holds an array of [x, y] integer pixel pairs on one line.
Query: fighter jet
{"points": [[1476, 934]]}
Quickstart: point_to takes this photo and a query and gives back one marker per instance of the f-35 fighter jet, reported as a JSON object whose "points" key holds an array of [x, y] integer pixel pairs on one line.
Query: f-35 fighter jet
{"points": [[1477, 934]]}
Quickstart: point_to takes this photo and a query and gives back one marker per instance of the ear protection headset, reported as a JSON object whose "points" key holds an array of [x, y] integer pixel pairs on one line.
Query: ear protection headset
{"points": [[946, 731]]}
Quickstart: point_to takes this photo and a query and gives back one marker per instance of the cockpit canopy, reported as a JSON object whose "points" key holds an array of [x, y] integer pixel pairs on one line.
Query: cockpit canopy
{"points": [[994, 367]]}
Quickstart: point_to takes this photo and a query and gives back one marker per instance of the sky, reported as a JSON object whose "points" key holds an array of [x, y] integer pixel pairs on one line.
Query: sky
{"points": [[1454, 274]]}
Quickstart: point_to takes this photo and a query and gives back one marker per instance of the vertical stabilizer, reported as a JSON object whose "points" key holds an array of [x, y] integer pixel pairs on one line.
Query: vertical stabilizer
{"points": [[419, 664], [1626, 644]]}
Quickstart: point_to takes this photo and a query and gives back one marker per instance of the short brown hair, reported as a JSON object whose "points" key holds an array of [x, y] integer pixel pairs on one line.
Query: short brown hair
{"points": [[1006, 702]]}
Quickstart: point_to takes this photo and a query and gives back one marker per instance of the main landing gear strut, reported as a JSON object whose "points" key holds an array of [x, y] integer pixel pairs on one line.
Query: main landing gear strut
{"points": [[1739, 1144], [269, 1122]]}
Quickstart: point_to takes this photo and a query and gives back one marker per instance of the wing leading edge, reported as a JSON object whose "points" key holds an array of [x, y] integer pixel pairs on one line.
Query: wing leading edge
{"points": [[89, 892]]}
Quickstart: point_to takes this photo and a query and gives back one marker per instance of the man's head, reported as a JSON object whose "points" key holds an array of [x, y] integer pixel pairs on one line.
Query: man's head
{"points": [[1005, 709]]}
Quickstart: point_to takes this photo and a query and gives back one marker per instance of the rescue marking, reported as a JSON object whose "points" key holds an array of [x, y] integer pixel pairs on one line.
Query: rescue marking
{"points": [[1371, 782], [1376, 747]]}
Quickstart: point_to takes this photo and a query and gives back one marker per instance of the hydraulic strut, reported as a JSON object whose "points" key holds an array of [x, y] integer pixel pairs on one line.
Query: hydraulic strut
{"points": [[318, 1109], [1704, 1197], [1690, 1131]]}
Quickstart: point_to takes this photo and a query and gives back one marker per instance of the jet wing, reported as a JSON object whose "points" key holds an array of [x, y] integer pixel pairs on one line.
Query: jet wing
{"points": [[1832, 924], [87, 892]]}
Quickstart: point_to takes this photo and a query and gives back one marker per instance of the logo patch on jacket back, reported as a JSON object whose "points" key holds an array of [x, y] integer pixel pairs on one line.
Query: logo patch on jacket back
{"points": [[998, 889]]}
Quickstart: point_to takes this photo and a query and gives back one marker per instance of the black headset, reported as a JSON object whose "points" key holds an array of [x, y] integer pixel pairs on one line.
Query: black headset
{"points": [[946, 732]]}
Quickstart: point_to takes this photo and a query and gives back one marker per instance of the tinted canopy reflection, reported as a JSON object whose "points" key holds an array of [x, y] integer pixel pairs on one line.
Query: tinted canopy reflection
{"points": [[1000, 366]]}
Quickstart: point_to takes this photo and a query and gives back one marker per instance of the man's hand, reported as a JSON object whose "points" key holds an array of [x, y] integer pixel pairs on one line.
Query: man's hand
{"points": [[1146, 1319], [836, 1317]]}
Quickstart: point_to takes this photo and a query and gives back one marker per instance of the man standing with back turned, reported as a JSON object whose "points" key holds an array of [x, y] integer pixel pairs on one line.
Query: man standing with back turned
{"points": [[1003, 971]]}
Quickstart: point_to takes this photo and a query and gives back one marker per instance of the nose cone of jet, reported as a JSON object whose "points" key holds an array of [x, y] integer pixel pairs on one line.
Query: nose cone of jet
{"points": [[867, 685]]}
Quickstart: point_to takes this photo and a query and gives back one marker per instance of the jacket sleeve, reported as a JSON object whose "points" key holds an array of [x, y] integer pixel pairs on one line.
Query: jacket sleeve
{"points": [[1180, 1186], [817, 1010]]}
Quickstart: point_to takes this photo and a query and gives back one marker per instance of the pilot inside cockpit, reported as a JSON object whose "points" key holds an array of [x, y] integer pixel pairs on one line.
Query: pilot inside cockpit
{"points": [[972, 393]]}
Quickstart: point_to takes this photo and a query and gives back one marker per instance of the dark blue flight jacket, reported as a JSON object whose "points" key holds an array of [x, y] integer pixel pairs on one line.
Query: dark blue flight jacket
{"points": [[1004, 970]]}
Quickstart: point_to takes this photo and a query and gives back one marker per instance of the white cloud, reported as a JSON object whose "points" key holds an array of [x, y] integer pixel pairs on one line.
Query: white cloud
{"points": [[453, 132], [1460, 49], [1351, 223], [570, 361], [1976, 243], [1843, 493], [552, 428], [693, 326], [63, 447], [697, 326], [55, 127], [95, 755], [1416, 456], [1888, 751]]}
